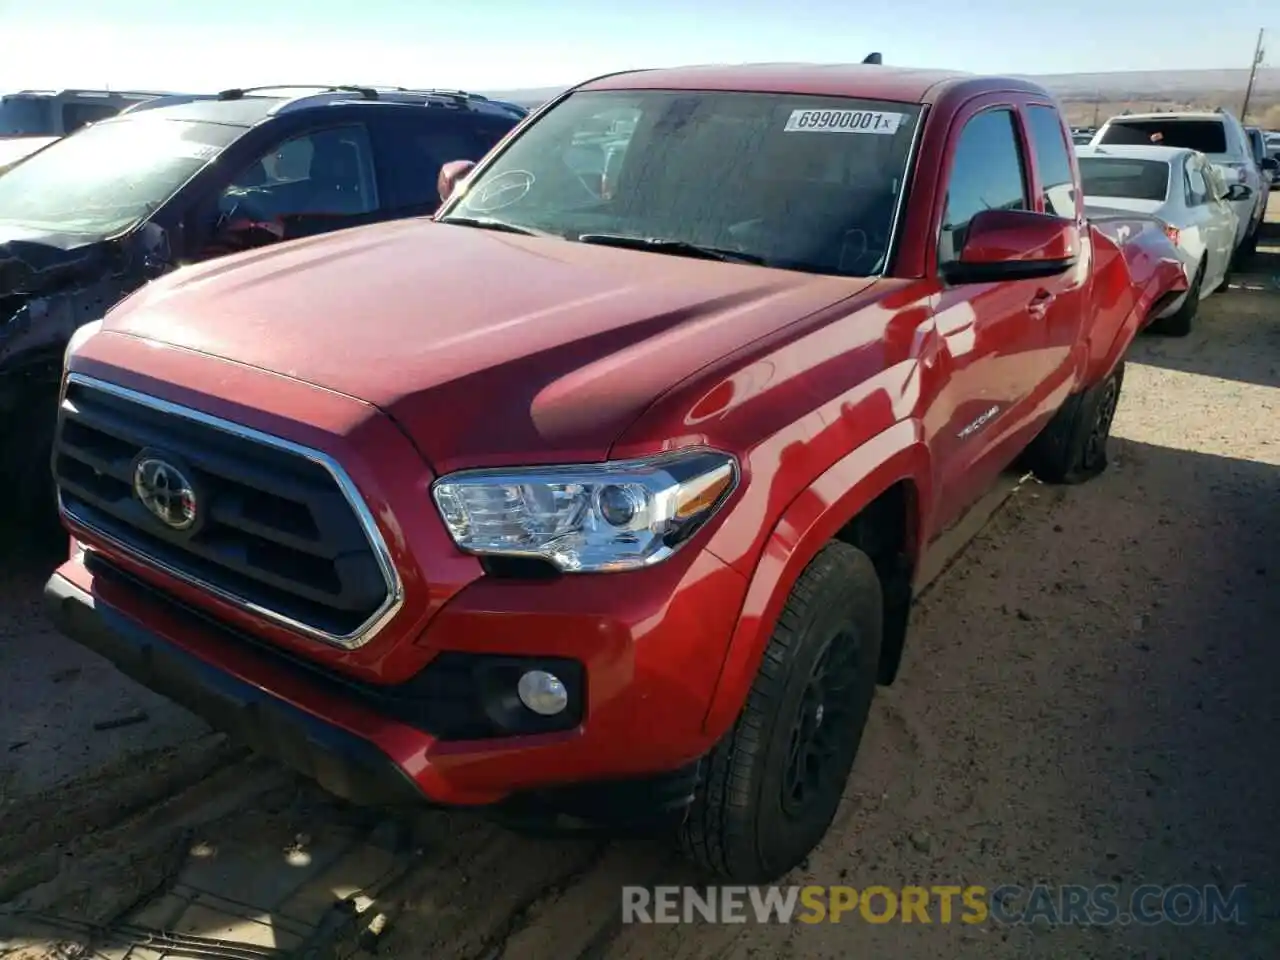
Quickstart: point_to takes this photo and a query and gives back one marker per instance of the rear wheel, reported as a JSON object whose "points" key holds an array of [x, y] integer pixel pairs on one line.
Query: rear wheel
{"points": [[770, 789], [1073, 447], [1178, 324], [1250, 245]]}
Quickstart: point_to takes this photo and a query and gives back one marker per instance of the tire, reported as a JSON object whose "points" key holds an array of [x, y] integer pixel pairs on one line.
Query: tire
{"points": [[1073, 447], [1179, 324], [30, 504], [1226, 278], [1248, 247], [749, 822]]}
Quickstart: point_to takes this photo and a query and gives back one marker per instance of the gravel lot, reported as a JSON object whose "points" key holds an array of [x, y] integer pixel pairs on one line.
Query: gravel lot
{"points": [[1089, 696]]}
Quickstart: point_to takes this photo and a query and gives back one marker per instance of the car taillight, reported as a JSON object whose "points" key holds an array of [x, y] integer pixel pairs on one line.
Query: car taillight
{"points": [[1172, 234]]}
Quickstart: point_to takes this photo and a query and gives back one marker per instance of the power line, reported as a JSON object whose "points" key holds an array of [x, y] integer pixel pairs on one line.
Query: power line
{"points": [[1258, 54]]}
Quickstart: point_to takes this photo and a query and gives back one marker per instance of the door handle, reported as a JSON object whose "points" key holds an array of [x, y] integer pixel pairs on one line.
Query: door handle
{"points": [[1039, 305]]}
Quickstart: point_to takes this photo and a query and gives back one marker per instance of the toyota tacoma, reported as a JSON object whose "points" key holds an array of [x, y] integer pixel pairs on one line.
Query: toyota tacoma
{"points": [[602, 494]]}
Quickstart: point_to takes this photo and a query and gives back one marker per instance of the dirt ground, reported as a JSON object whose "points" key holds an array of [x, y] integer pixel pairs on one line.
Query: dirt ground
{"points": [[1088, 697]]}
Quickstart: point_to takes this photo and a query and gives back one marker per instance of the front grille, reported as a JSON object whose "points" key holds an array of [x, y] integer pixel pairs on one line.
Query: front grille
{"points": [[279, 529]]}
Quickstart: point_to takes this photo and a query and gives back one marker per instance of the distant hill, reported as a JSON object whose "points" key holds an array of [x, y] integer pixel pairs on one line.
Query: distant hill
{"points": [[1111, 86]]}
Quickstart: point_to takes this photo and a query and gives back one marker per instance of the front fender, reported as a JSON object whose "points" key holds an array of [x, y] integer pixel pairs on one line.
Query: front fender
{"points": [[807, 523]]}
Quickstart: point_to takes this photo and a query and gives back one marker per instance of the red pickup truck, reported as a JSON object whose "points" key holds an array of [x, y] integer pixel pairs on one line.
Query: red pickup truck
{"points": [[603, 493]]}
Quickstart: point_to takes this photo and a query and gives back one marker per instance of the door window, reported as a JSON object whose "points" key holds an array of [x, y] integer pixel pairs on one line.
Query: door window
{"points": [[987, 173], [321, 177], [1197, 188], [1056, 181]]}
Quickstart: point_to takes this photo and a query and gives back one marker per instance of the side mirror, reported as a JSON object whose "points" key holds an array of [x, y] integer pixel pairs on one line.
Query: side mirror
{"points": [[1239, 191], [451, 174], [1270, 165], [1014, 245]]}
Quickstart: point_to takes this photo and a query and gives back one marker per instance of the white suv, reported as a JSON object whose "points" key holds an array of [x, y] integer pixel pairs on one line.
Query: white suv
{"points": [[1221, 138]]}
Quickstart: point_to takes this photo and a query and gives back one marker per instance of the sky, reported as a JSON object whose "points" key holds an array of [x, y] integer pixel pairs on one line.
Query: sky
{"points": [[501, 44]]}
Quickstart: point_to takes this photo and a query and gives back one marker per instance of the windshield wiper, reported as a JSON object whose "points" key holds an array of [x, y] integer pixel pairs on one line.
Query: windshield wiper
{"points": [[486, 224], [680, 248]]}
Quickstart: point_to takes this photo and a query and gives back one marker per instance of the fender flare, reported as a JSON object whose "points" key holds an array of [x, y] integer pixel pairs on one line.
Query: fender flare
{"points": [[808, 522]]}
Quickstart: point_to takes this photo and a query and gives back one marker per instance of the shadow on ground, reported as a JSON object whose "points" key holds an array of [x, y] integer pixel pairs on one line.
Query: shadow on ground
{"points": [[1099, 709], [1248, 315]]}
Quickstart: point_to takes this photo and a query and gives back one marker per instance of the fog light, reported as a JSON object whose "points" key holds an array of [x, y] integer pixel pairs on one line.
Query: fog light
{"points": [[542, 692]]}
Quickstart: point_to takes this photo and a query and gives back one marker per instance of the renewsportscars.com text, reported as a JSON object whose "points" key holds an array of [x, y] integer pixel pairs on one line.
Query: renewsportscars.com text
{"points": [[1009, 904]]}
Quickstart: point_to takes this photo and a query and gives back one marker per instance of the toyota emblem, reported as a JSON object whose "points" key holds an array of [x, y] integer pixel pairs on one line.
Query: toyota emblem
{"points": [[166, 491]]}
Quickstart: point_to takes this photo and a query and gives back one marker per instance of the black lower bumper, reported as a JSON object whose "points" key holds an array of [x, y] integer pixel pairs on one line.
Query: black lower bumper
{"points": [[342, 763]]}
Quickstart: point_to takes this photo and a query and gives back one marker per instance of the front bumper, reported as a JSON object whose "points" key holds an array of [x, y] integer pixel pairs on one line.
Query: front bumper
{"points": [[343, 764], [313, 723]]}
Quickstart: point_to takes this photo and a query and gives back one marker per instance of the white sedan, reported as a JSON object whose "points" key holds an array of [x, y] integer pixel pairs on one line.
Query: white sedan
{"points": [[1181, 189]]}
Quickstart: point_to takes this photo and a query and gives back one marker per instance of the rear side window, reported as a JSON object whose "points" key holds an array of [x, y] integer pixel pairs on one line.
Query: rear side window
{"points": [[1257, 144], [986, 174], [1131, 179], [412, 153], [1207, 136], [26, 116], [1052, 161]]}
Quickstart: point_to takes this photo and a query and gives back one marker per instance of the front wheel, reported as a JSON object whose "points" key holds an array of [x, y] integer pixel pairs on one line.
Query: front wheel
{"points": [[1073, 447], [30, 504], [770, 789]]}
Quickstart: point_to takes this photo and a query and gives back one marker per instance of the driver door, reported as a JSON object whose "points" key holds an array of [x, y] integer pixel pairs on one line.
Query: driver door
{"points": [[992, 334], [315, 182]]}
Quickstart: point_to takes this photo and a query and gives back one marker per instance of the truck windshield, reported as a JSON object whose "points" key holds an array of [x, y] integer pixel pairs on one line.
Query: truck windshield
{"points": [[108, 177], [1119, 177], [794, 182], [26, 117]]}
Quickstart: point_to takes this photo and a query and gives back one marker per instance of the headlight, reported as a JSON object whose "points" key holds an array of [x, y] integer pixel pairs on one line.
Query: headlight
{"points": [[596, 517], [79, 338]]}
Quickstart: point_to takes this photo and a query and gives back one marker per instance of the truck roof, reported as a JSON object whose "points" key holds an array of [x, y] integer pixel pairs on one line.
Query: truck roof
{"points": [[872, 81]]}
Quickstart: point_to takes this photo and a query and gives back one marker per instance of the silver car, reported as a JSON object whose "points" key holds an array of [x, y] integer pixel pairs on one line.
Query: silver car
{"points": [[1220, 137], [1188, 195]]}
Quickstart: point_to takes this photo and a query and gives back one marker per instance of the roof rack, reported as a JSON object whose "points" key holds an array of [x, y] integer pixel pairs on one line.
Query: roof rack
{"points": [[239, 93], [167, 100], [873, 58], [318, 94]]}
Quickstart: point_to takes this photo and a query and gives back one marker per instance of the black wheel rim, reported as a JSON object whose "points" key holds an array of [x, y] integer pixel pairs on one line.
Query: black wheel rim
{"points": [[1096, 447], [820, 729]]}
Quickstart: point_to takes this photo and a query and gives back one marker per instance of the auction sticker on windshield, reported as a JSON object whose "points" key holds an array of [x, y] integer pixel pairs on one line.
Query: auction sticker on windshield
{"points": [[843, 121]]}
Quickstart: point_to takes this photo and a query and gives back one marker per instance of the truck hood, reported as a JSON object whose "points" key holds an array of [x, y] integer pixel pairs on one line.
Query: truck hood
{"points": [[487, 348]]}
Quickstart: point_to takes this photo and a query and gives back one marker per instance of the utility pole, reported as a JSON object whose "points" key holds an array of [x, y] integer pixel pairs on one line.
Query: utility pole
{"points": [[1097, 105], [1253, 73]]}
